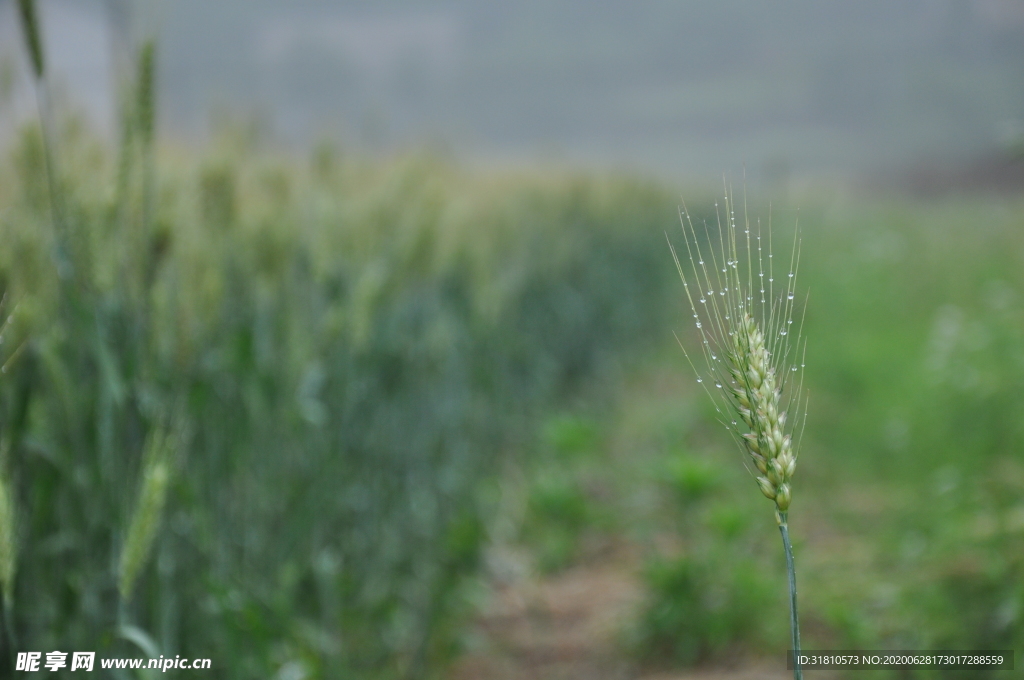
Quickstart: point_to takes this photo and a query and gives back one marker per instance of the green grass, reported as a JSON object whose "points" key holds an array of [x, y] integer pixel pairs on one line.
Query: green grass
{"points": [[910, 489]]}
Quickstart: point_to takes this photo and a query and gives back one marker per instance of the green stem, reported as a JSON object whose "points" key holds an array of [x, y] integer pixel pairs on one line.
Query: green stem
{"points": [[794, 623], [8, 620]]}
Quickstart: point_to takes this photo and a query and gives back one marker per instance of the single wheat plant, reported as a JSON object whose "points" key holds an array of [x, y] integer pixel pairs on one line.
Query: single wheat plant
{"points": [[751, 355]]}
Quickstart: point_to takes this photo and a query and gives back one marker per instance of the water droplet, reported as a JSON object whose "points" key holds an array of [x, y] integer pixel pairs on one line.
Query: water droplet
{"points": [[770, 255], [703, 301], [782, 332], [701, 262], [789, 321], [698, 324], [718, 384], [793, 369], [770, 279], [700, 380], [791, 275], [790, 296]]}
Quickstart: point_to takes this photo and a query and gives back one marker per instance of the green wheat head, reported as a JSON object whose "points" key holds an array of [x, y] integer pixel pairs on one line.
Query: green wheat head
{"points": [[751, 357], [145, 521]]}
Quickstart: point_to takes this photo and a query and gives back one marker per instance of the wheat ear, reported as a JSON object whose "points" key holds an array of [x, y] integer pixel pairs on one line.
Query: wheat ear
{"points": [[750, 352], [145, 521]]}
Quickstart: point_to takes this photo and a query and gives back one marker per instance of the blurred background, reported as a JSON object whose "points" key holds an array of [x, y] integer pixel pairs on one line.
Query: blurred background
{"points": [[339, 335], [678, 89]]}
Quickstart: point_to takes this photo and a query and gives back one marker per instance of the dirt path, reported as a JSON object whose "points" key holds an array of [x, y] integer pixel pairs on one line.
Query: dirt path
{"points": [[569, 627]]}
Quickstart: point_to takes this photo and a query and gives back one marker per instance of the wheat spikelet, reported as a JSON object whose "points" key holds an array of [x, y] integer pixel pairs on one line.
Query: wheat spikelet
{"points": [[749, 348], [148, 511]]}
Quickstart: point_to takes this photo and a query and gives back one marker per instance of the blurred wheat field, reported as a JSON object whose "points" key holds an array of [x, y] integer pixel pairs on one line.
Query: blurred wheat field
{"points": [[351, 358], [346, 352], [391, 417]]}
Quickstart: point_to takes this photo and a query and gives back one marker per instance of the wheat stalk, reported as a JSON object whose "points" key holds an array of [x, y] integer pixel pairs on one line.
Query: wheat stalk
{"points": [[33, 43], [8, 554], [8, 509], [750, 351], [30, 26], [8, 547]]}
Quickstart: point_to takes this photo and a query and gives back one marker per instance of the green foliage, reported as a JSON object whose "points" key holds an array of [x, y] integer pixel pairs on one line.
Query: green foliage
{"points": [[563, 508], [966, 591], [916, 369], [722, 592], [922, 322], [571, 436], [558, 512], [348, 357], [700, 608], [691, 479]]}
